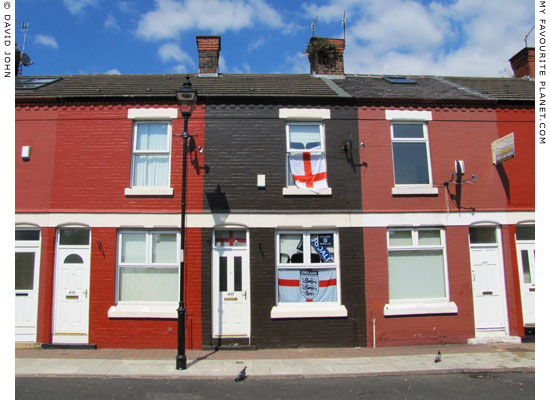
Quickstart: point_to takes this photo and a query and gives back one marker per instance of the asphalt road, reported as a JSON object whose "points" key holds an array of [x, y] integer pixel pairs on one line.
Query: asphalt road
{"points": [[486, 386]]}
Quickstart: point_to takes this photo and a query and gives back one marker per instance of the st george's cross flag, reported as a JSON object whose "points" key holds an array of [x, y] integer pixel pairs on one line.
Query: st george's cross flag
{"points": [[309, 170]]}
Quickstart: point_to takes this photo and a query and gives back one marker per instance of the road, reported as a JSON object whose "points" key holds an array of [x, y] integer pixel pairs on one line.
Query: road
{"points": [[486, 386]]}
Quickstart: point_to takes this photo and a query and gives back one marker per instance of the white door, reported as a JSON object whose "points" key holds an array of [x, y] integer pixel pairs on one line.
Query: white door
{"points": [[231, 293], [27, 266], [72, 290], [487, 282], [526, 265]]}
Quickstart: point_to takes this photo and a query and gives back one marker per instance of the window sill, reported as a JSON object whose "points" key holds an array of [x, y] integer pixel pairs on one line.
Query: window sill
{"points": [[420, 308], [309, 311], [294, 191], [143, 311], [149, 191], [414, 190]]}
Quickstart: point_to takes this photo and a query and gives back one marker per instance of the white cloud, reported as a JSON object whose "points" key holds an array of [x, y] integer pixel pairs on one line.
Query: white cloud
{"points": [[111, 23], [170, 17], [113, 71], [46, 40], [463, 37], [256, 44], [169, 52], [78, 6]]}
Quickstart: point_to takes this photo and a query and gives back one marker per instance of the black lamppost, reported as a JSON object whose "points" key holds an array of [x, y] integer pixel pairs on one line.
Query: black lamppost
{"points": [[187, 96]]}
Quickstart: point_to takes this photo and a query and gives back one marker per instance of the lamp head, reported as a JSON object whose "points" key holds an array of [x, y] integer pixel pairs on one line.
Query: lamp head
{"points": [[187, 97]]}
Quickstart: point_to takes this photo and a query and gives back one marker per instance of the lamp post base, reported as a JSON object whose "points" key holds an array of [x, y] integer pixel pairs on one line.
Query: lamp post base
{"points": [[181, 362]]}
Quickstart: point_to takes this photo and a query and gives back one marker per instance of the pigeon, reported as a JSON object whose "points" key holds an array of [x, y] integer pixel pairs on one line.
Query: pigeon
{"points": [[241, 376], [438, 357]]}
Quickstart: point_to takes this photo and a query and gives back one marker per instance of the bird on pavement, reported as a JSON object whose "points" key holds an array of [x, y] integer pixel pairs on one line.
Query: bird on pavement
{"points": [[438, 357], [241, 376]]}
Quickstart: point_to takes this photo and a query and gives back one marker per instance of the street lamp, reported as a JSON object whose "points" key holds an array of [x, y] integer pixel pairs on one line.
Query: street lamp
{"points": [[187, 96]]}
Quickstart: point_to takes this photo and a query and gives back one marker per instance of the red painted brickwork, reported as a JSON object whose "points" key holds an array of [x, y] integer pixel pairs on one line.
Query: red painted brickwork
{"points": [[139, 332], [454, 134], [518, 173], [511, 280], [425, 329], [45, 292], [36, 128], [82, 161]]}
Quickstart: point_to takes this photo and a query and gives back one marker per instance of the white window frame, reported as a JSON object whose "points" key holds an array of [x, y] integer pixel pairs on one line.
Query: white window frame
{"points": [[306, 116], [420, 306], [308, 310], [144, 309], [151, 115], [412, 117]]}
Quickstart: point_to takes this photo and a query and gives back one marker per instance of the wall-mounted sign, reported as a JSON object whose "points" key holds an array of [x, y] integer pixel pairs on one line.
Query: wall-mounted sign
{"points": [[503, 148]]}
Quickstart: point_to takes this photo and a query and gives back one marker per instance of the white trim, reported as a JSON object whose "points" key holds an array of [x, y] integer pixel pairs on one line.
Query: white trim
{"points": [[295, 191], [152, 113], [309, 311], [408, 115], [304, 114], [149, 191], [273, 220], [420, 308], [398, 190], [143, 311]]}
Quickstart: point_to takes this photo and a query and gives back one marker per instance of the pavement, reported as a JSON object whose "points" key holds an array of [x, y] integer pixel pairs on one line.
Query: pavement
{"points": [[275, 363]]}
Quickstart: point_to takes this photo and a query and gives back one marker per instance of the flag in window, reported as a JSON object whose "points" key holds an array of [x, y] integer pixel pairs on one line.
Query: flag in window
{"points": [[309, 170]]}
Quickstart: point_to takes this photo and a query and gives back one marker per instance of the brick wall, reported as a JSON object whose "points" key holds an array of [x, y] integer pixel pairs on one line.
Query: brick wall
{"points": [[140, 332], [300, 332], [421, 329], [454, 134], [81, 162], [243, 141], [518, 174]]}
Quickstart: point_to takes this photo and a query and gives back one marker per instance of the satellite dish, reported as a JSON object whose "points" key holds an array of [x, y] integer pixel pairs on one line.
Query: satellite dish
{"points": [[25, 59]]}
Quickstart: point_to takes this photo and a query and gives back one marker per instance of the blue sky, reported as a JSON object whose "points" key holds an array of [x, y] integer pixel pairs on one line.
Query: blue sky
{"points": [[439, 37]]}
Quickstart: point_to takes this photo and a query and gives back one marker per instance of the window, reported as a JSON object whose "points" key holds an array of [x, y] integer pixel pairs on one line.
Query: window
{"points": [[306, 167], [411, 152], [148, 266], [151, 143], [306, 162], [308, 275], [417, 272], [151, 154], [411, 164]]}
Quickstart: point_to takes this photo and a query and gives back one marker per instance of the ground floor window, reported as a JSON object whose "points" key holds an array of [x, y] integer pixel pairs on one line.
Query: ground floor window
{"points": [[416, 264], [148, 266], [307, 267]]}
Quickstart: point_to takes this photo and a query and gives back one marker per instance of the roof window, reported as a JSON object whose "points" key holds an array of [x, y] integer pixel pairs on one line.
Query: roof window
{"points": [[33, 83], [399, 79]]}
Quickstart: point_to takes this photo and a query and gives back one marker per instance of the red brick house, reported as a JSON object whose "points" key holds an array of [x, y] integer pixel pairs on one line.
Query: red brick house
{"points": [[98, 196]]}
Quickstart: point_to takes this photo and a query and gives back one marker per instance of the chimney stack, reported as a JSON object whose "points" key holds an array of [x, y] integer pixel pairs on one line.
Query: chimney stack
{"points": [[209, 53], [326, 57], [523, 63]]}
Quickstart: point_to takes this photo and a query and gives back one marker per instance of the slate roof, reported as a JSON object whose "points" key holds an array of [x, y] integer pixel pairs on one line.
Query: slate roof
{"points": [[165, 85], [364, 87]]}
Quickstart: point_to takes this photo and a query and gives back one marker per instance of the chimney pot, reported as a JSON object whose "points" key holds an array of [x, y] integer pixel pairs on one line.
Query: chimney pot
{"points": [[209, 53]]}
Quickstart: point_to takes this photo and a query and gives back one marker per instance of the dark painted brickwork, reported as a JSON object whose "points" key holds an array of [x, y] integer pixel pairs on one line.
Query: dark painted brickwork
{"points": [[242, 141], [306, 332]]}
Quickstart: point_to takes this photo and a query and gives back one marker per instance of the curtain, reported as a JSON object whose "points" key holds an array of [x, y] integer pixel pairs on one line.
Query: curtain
{"points": [[416, 274], [148, 284]]}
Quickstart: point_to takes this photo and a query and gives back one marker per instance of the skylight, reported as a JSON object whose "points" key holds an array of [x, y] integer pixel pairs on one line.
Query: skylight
{"points": [[399, 79], [33, 83]]}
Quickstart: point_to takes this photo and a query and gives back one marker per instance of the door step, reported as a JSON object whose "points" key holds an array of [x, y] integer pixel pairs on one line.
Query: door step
{"points": [[73, 346]]}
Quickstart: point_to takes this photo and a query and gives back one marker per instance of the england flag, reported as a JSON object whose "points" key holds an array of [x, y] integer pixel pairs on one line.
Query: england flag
{"points": [[309, 170]]}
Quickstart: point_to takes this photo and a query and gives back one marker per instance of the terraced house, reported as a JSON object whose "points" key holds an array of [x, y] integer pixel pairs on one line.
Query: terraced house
{"points": [[321, 210]]}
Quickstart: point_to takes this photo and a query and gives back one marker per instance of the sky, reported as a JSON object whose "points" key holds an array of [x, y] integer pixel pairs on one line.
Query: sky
{"points": [[416, 37]]}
